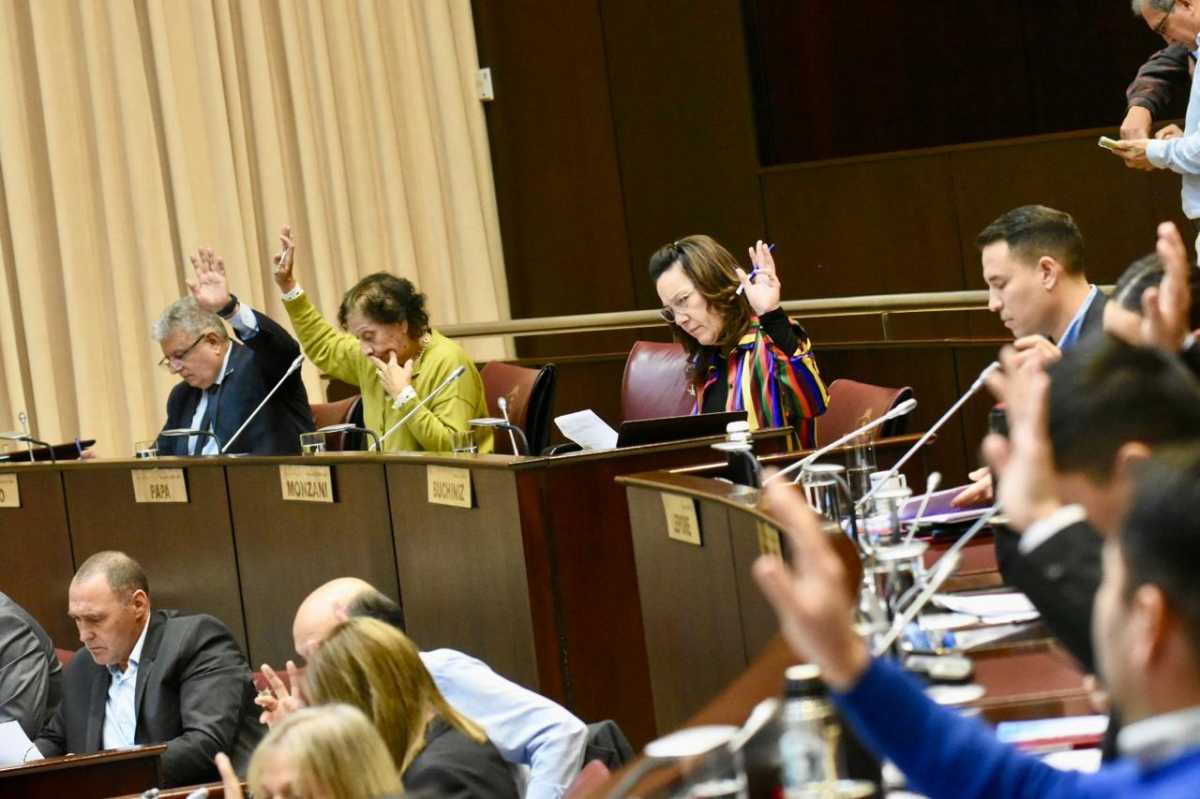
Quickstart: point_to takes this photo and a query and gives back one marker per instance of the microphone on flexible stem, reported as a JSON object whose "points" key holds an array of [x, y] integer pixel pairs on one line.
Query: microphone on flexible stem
{"points": [[290, 370], [186, 432], [349, 427], [29, 441], [512, 439], [23, 418], [931, 484], [457, 373], [978, 384], [954, 550], [903, 408]]}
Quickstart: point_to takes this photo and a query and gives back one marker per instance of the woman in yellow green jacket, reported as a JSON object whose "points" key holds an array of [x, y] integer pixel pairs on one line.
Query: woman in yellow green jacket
{"points": [[387, 348]]}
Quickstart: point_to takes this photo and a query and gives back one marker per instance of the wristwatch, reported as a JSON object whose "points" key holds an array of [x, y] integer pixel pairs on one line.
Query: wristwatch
{"points": [[231, 306]]}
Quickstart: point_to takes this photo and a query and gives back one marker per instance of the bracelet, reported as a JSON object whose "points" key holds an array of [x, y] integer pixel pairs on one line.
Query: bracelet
{"points": [[226, 312], [409, 393], [288, 296]]}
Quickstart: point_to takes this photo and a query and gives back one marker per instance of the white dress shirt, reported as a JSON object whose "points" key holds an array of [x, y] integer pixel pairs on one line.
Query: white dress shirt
{"points": [[120, 709], [1182, 154], [246, 327], [526, 727]]}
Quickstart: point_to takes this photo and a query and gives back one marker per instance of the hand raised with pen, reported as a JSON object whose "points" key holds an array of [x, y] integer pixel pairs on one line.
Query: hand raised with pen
{"points": [[279, 700], [763, 292], [283, 261], [209, 285]]}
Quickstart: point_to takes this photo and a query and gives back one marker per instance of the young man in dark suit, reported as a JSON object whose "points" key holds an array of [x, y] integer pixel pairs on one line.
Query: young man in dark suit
{"points": [[224, 381], [150, 677]]}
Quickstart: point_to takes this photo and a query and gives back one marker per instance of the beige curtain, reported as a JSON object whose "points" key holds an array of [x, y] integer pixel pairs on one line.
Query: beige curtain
{"points": [[134, 131]]}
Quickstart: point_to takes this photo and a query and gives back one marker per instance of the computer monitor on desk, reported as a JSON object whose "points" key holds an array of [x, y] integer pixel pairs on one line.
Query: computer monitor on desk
{"points": [[675, 428]]}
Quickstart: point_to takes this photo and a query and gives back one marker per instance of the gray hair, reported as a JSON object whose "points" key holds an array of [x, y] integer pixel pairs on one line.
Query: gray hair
{"points": [[123, 574], [1164, 6], [187, 315]]}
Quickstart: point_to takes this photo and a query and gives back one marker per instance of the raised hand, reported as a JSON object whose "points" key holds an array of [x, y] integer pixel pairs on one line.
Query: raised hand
{"points": [[763, 292], [1167, 307], [1023, 462], [279, 701], [284, 261], [395, 378], [810, 596], [208, 283]]}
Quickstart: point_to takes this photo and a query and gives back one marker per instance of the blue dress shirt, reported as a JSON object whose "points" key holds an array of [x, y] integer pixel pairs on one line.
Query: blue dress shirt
{"points": [[120, 709], [526, 727], [1182, 154]]}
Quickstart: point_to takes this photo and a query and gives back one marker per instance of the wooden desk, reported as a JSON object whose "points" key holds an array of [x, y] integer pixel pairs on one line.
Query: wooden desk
{"points": [[37, 550], [700, 604], [186, 548], [84, 776]]}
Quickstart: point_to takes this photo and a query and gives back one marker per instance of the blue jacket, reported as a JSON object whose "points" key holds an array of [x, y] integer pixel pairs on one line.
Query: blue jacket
{"points": [[944, 754]]}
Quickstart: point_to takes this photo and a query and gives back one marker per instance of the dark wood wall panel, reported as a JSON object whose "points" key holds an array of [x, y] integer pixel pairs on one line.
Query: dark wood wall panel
{"points": [[37, 553], [837, 79], [864, 227], [186, 549], [554, 157], [685, 134]]}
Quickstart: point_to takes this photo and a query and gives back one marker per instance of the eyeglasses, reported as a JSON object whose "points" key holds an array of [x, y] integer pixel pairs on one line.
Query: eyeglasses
{"points": [[168, 360], [1161, 27], [679, 306]]}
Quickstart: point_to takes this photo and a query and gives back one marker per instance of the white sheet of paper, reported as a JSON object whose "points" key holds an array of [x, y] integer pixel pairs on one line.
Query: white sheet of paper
{"points": [[587, 430], [15, 746], [1004, 603]]}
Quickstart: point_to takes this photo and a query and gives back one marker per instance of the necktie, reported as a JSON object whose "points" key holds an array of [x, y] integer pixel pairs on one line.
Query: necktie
{"points": [[206, 420]]}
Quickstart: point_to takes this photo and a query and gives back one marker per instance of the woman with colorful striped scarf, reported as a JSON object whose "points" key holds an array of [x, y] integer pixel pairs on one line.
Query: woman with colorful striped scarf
{"points": [[745, 353]]}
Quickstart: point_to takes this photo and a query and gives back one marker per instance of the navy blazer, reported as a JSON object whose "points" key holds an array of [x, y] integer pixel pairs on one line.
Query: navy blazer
{"points": [[253, 369], [193, 692]]}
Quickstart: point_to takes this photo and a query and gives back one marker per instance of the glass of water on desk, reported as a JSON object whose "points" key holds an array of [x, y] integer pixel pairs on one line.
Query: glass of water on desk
{"points": [[462, 442], [717, 775], [145, 449], [312, 443]]}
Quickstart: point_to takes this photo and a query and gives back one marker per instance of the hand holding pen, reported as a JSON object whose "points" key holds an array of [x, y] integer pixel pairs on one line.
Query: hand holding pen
{"points": [[761, 286]]}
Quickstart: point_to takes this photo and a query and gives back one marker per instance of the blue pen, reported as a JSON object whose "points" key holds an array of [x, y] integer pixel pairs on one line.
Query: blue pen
{"points": [[753, 272]]}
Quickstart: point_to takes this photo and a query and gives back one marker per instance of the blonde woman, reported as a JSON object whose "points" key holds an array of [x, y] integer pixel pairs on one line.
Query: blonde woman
{"points": [[376, 668], [328, 752]]}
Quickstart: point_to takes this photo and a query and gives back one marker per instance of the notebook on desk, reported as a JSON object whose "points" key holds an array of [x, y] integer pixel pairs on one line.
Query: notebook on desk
{"points": [[675, 428]]}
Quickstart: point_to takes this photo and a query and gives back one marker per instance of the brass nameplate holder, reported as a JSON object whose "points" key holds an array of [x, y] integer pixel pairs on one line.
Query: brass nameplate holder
{"points": [[768, 540], [10, 492], [306, 483], [159, 485], [682, 522], [449, 485]]}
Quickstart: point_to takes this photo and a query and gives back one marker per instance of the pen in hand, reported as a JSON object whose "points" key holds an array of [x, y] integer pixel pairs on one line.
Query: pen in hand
{"points": [[753, 272]]}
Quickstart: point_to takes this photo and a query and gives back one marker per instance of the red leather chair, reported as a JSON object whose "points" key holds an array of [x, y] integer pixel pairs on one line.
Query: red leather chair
{"points": [[530, 397], [339, 412], [656, 382], [853, 404], [64, 656]]}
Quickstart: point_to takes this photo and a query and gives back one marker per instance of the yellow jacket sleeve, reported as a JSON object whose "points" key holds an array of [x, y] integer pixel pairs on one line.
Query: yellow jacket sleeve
{"points": [[335, 353]]}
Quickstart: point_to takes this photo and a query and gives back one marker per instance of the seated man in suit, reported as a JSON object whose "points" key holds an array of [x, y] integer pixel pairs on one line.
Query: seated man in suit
{"points": [[528, 729], [224, 381], [1033, 265], [150, 677], [30, 674]]}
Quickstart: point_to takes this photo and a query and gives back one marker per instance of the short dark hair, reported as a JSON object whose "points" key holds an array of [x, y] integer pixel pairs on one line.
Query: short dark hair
{"points": [[387, 299], [1146, 272], [1160, 536], [123, 574], [1106, 393], [1032, 231], [374, 604]]}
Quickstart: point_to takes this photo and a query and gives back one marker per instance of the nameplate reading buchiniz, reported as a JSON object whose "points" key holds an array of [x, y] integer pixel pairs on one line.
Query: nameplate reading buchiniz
{"points": [[768, 540], [449, 486], [306, 483], [682, 523], [159, 485], [10, 493]]}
